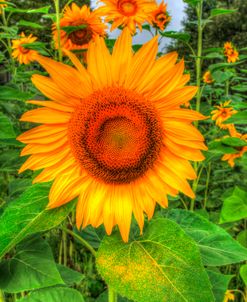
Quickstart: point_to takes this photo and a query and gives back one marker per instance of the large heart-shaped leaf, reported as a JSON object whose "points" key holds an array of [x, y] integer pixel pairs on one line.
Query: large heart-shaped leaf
{"points": [[163, 265], [32, 267], [28, 215], [216, 245]]}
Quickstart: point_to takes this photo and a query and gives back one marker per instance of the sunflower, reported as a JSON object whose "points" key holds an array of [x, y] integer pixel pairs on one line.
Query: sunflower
{"points": [[239, 150], [2, 5], [222, 113], [114, 134], [88, 26], [207, 77], [127, 13], [160, 16], [233, 56], [230, 52], [20, 53], [229, 296]]}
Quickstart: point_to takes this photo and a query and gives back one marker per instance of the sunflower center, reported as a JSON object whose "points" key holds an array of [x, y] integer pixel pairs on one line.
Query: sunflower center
{"points": [[160, 17], [127, 7], [116, 135], [23, 50], [81, 36]]}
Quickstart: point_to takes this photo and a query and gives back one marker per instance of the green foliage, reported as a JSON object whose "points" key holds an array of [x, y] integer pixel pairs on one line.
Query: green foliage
{"points": [[243, 273], [216, 246], [54, 294], [6, 128], [235, 206], [32, 267], [220, 284], [28, 215], [69, 276], [164, 259]]}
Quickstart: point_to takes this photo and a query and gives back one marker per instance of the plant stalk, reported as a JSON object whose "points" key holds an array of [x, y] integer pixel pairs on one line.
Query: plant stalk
{"points": [[112, 295], [199, 55], [79, 238], [199, 9], [2, 296], [58, 27]]}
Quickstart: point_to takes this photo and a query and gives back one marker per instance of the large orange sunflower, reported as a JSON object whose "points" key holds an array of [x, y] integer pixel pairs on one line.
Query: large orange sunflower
{"points": [[89, 26], [127, 13], [114, 134]]}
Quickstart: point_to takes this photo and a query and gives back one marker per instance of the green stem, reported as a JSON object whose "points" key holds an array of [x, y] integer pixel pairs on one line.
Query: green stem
{"points": [[79, 238], [198, 83], [64, 238], [227, 88], [57, 8], [199, 55], [2, 296], [112, 296], [9, 46], [207, 184]]}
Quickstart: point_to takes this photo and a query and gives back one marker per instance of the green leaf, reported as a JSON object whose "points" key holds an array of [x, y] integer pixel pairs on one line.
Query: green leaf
{"points": [[28, 215], [234, 207], [217, 247], [192, 2], [243, 273], [242, 238], [32, 267], [234, 142], [41, 10], [92, 235], [163, 265], [220, 284], [240, 88], [9, 93], [70, 29], [29, 24], [222, 11], [69, 276], [54, 294], [219, 147], [6, 128], [238, 118], [220, 76], [213, 67], [185, 37]]}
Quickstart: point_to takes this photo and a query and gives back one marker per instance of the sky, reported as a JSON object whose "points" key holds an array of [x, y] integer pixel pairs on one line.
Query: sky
{"points": [[175, 9]]}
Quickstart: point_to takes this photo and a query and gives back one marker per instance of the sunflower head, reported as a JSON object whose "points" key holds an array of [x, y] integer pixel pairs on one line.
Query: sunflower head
{"points": [[160, 16], [22, 54], [223, 112], [207, 77], [78, 27], [233, 56], [120, 144], [230, 158], [2, 5], [229, 296], [127, 13], [231, 52]]}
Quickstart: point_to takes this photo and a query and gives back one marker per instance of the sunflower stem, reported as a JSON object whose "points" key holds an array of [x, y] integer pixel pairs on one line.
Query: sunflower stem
{"points": [[1, 296], [57, 9], [199, 55], [112, 295], [198, 83], [79, 238]]}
